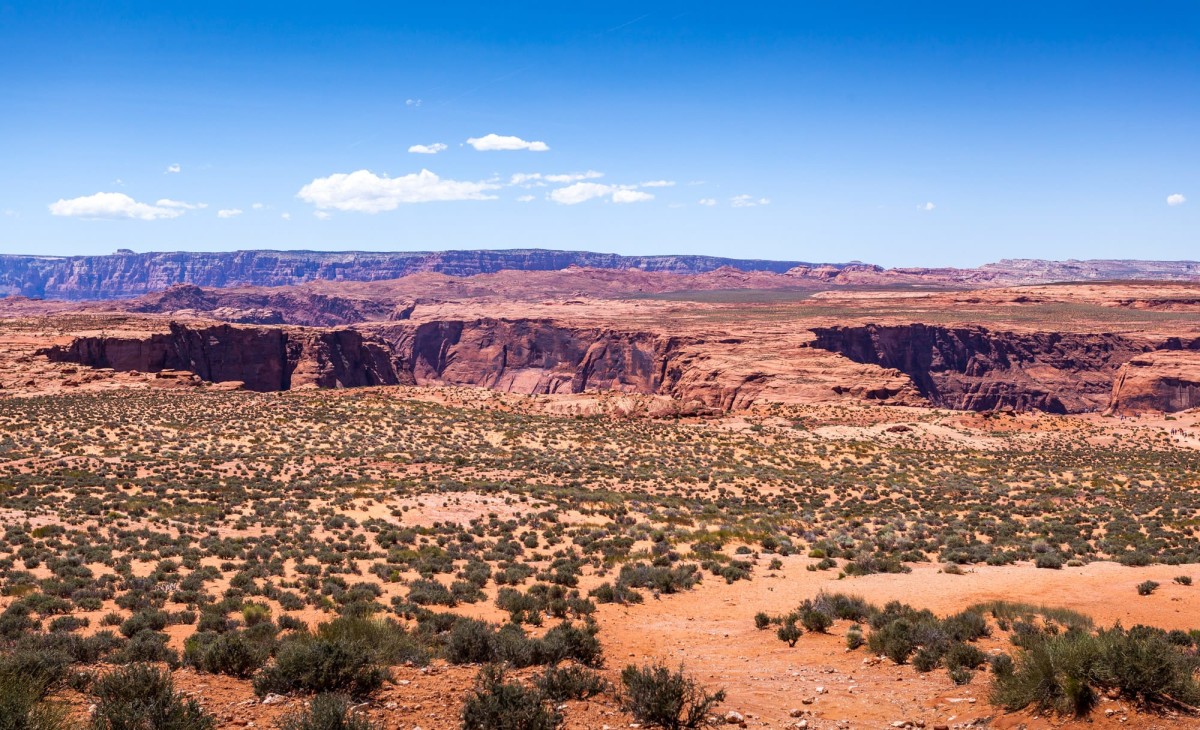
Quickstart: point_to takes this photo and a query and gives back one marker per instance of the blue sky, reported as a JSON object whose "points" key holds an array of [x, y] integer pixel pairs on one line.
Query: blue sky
{"points": [[898, 133]]}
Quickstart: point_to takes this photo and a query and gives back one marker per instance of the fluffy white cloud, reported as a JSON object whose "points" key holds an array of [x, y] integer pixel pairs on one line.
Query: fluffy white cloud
{"points": [[427, 149], [581, 192], [748, 201], [525, 199], [257, 206], [658, 184], [496, 142], [171, 169], [286, 216], [1176, 199], [365, 192], [115, 206], [708, 202], [926, 207], [321, 215], [229, 212], [630, 196]]}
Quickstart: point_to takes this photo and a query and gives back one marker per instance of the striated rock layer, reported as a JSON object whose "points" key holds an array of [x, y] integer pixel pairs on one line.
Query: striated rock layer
{"points": [[264, 359], [976, 369], [1166, 381], [128, 274]]}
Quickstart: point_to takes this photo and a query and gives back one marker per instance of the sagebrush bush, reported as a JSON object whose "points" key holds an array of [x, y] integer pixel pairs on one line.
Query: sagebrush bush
{"points": [[495, 704], [571, 683], [140, 696], [314, 665], [670, 699], [327, 712]]}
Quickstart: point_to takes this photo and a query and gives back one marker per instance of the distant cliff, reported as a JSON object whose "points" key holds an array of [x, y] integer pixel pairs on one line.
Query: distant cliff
{"points": [[127, 274]]}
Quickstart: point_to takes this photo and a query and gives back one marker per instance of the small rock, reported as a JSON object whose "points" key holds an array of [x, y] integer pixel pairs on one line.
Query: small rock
{"points": [[273, 699], [734, 718]]}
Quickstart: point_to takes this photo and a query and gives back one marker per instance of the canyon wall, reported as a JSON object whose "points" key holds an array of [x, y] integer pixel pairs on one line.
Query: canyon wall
{"points": [[264, 359], [973, 368], [128, 274]]}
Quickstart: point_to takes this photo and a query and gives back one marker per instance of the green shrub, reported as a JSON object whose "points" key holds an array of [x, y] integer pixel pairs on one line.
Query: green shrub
{"points": [[315, 665], [789, 632], [1183, 580], [23, 704], [326, 712], [658, 696], [140, 696], [570, 683], [1147, 587], [498, 705]]}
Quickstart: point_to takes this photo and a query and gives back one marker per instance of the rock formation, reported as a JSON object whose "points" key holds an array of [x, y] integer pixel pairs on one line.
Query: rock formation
{"points": [[1162, 381], [973, 368]]}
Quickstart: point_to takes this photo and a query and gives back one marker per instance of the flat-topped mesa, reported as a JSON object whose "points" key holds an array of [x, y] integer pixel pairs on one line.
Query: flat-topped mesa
{"points": [[973, 368], [264, 359]]}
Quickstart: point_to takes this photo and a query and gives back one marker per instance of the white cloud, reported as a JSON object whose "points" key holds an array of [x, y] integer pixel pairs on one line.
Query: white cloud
{"points": [[10, 213], [708, 202], [171, 169], [114, 206], [286, 216], [412, 102], [532, 179], [630, 196], [525, 199], [926, 207], [748, 201], [427, 149], [168, 203], [257, 206], [365, 192], [658, 184], [581, 192], [496, 142], [1176, 199], [321, 215], [229, 212]]}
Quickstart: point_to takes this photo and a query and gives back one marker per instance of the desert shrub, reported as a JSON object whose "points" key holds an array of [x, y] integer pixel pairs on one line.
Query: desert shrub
{"points": [[854, 637], [762, 620], [570, 641], [231, 653], [326, 712], [570, 683], [964, 655], [23, 690], [789, 632], [140, 696], [1145, 588], [658, 696], [815, 621], [895, 640], [495, 704], [1065, 673], [470, 641], [315, 665], [385, 640], [1050, 561], [1183, 580]]}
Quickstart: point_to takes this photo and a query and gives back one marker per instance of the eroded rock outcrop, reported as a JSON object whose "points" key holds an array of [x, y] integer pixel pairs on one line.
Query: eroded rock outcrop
{"points": [[973, 368], [263, 358], [1164, 381]]}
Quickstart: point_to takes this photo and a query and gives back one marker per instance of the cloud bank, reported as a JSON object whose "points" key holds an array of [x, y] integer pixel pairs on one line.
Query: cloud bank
{"points": [[365, 192], [496, 143]]}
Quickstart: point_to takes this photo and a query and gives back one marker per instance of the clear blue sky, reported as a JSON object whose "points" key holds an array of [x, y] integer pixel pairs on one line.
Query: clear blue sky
{"points": [[899, 133]]}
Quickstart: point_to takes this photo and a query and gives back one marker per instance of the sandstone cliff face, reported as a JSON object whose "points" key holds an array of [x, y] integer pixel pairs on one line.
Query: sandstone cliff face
{"points": [[973, 368], [265, 359], [128, 274], [1163, 381], [531, 356]]}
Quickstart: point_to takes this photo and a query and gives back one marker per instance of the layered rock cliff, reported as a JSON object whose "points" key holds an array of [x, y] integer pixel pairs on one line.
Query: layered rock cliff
{"points": [[264, 359], [973, 368], [1163, 381], [127, 274]]}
